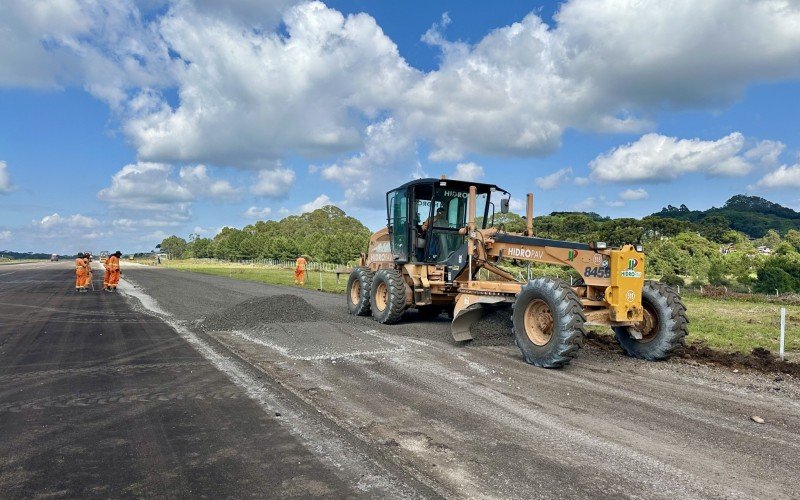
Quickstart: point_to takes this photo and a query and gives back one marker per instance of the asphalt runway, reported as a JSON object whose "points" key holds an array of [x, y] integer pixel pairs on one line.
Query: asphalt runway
{"points": [[474, 421], [100, 400], [136, 395]]}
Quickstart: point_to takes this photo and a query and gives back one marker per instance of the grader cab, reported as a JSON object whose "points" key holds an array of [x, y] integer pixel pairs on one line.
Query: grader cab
{"points": [[440, 234]]}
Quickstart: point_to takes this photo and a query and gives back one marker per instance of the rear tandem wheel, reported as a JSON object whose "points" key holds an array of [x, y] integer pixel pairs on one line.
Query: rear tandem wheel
{"points": [[359, 286], [388, 296]]}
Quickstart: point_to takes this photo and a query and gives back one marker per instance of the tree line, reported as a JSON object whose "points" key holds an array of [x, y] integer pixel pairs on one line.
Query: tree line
{"points": [[706, 251], [326, 234]]}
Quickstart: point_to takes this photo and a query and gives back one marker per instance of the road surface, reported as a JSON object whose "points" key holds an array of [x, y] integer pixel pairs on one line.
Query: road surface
{"points": [[100, 400], [395, 410]]}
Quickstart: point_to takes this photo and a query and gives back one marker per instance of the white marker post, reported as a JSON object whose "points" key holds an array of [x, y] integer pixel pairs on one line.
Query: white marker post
{"points": [[783, 329]]}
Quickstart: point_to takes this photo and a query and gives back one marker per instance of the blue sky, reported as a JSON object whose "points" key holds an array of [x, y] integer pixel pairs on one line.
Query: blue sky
{"points": [[123, 124]]}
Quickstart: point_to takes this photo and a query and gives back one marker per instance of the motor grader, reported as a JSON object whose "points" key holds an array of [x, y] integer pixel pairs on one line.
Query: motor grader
{"points": [[440, 233]]}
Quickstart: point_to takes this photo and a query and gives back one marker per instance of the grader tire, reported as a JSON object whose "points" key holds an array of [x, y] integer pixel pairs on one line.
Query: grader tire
{"points": [[664, 328], [548, 322], [359, 286], [388, 296]]}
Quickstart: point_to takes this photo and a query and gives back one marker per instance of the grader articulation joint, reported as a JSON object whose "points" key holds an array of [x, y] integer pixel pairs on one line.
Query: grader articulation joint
{"points": [[439, 236]]}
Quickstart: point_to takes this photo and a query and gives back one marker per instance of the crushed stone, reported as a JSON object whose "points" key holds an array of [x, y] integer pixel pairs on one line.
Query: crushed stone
{"points": [[494, 328], [251, 313]]}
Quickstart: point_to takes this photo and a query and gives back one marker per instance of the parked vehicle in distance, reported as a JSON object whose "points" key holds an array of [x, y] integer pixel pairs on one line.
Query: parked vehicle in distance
{"points": [[54, 257]]}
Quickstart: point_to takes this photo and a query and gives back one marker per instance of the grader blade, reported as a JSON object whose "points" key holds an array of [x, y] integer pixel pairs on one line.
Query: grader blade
{"points": [[469, 309]]}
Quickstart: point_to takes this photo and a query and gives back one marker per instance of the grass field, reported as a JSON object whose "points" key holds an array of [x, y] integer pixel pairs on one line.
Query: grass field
{"points": [[260, 273], [19, 261], [725, 324]]}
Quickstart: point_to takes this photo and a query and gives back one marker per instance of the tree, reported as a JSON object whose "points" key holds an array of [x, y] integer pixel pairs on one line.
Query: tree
{"points": [[716, 274], [174, 246], [771, 279]]}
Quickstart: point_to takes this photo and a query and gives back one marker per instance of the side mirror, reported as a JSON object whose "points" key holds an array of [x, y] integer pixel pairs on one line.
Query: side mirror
{"points": [[504, 205]]}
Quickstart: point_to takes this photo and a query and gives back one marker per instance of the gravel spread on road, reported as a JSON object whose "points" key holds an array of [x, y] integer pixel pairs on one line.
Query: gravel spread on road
{"points": [[285, 308], [494, 328]]}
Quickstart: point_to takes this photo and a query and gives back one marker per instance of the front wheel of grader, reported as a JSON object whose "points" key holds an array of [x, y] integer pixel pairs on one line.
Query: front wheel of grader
{"points": [[548, 322], [664, 328]]}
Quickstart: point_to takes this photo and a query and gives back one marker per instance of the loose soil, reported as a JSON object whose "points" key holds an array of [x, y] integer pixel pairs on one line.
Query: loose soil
{"points": [[285, 308], [759, 358]]}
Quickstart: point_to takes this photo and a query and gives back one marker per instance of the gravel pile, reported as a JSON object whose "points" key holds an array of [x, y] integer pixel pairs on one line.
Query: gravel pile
{"points": [[260, 310], [494, 328]]}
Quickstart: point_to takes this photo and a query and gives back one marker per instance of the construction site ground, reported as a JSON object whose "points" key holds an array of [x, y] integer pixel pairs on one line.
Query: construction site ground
{"points": [[193, 385]]}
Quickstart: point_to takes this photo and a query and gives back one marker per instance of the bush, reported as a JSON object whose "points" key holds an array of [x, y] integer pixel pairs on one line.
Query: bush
{"points": [[673, 280], [774, 278]]}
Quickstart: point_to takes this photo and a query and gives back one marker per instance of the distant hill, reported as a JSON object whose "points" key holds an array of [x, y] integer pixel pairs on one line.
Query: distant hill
{"points": [[751, 215]]}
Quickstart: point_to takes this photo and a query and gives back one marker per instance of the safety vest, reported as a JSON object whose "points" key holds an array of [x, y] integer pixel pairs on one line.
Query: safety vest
{"points": [[80, 264], [301, 264], [112, 263]]}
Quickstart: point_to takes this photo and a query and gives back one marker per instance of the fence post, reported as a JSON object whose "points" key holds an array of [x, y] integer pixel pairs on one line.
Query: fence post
{"points": [[783, 329]]}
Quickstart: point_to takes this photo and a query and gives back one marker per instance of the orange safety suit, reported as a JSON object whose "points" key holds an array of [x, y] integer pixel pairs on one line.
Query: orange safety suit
{"points": [[300, 271], [111, 276], [80, 274], [88, 271]]}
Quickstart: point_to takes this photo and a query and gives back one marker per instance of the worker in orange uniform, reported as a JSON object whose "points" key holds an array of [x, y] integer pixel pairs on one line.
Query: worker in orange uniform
{"points": [[111, 277], [87, 259], [80, 273], [300, 270]]}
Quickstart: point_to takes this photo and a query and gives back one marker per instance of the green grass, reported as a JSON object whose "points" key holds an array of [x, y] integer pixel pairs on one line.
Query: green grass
{"points": [[739, 325], [261, 274], [725, 324], [20, 261]]}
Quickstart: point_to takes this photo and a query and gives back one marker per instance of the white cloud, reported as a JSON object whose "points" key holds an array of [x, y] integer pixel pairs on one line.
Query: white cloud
{"points": [[274, 183], [516, 205], [5, 179], [602, 66], [250, 96], [152, 187], [468, 172], [581, 181], [324, 84], [634, 194], [146, 186], [105, 46], [591, 203], [781, 178], [655, 158], [55, 221], [318, 202], [257, 213], [151, 220], [5, 235], [197, 181], [387, 160], [766, 152], [555, 179]]}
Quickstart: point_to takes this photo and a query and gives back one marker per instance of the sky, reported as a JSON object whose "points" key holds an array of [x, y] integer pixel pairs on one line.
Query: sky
{"points": [[125, 122]]}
